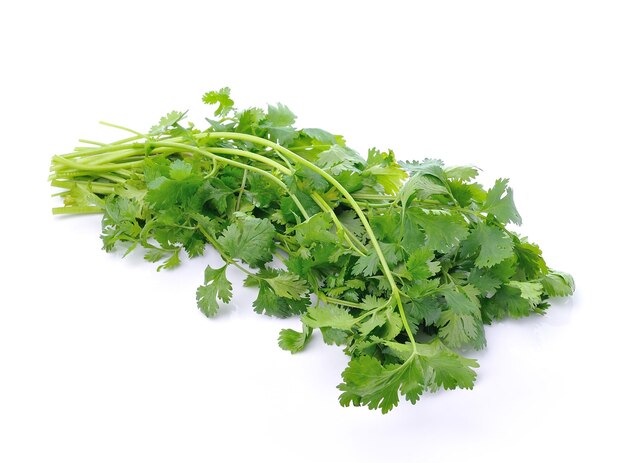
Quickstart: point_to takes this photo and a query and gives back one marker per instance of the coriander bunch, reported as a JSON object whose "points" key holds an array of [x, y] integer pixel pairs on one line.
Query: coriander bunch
{"points": [[402, 264]]}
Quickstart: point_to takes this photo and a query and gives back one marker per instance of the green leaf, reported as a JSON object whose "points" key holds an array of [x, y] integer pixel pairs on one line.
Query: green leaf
{"points": [[425, 310], [278, 124], [333, 336], [249, 120], [320, 135], [280, 115], [388, 173], [530, 260], [294, 341], [492, 244], [374, 321], [451, 370], [352, 223], [420, 264], [460, 324], [420, 187], [269, 303], [432, 168], [314, 230], [206, 298], [367, 382], [464, 173], [558, 284], [502, 207], [529, 290], [165, 193], [218, 278], [287, 285], [392, 326], [507, 302], [443, 231], [216, 285], [328, 315], [249, 239], [166, 122], [366, 265], [180, 170], [484, 280], [220, 97], [338, 158], [172, 262]]}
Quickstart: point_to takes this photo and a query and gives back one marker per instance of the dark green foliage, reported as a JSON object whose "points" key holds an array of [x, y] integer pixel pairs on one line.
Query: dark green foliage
{"points": [[400, 263]]}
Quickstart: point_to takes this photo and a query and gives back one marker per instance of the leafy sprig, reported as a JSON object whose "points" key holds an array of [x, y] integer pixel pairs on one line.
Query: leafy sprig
{"points": [[402, 264]]}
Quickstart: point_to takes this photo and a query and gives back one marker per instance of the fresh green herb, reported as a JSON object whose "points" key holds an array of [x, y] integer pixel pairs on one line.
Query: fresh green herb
{"points": [[400, 263]]}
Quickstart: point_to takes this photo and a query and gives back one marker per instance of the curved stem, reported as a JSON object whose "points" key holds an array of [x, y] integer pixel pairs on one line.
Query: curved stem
{"points": [[255, 156], [115, 126], [89, 168], [77, 210]]}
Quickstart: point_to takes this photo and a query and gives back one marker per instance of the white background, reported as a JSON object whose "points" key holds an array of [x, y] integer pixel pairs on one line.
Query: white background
{"points": [[106, 360]]}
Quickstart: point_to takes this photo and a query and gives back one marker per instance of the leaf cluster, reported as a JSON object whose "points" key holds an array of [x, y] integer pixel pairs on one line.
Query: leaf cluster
{"points": [[400, 263]]}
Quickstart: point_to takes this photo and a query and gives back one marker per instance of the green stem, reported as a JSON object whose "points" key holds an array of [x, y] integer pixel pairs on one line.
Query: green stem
{"points": [[77, 210], [115, 126], [82, 166], [91, 142], [379, 197], [332, 300], [264, 159], [94, 187], [106, 149], [242, 189]]}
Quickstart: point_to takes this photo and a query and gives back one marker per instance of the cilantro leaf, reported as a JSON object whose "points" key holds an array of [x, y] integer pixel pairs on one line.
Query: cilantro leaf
{"points": [[320, 135], [420, 264], [460, 324], [420, 187], [278, 123], [215, 286], [558, 284], [330, 316], [206, 298], [284, 284], [464, 173], [388, 173], [294, 341], [443, 231], [529, 290], [220, 97], [366, 265], [502, 207], [269, 303], [166, 122], [492, 244], [338, 158], [368, 382], [250, 239]]}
